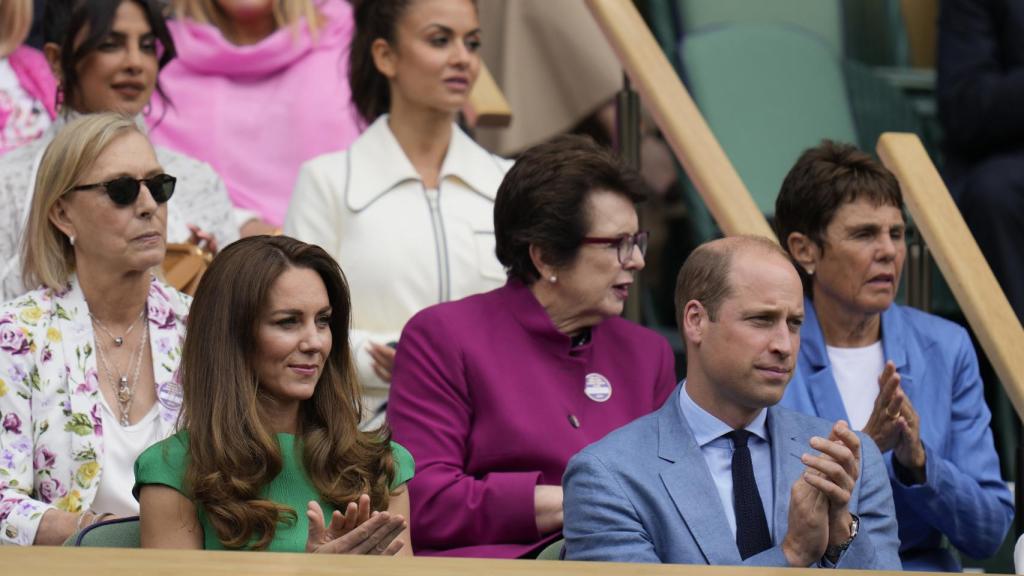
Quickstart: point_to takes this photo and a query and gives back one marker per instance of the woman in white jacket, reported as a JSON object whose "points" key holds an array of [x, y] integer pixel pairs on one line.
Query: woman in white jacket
{"points": [[408, 209]]}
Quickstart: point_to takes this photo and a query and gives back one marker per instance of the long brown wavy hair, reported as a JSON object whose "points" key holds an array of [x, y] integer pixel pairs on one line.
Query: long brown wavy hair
{"points": [[233, 452]]}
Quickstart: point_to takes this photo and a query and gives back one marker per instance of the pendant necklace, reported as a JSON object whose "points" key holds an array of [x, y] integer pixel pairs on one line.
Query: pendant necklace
{"points": [[124, 389], [118, 340]]}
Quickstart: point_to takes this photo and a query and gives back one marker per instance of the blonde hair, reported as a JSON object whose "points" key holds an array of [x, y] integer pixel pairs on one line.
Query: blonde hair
{"points": [[286, 13], [15, 21], [46, 253]]}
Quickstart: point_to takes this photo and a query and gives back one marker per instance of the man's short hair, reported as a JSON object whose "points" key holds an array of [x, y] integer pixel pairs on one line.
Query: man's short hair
{"points": [[704, 276]]}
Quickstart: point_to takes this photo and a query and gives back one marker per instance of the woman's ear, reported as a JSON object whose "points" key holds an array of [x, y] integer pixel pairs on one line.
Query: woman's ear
{"points": [[547, 272], [59, 218], [52, 53], [383, 57], [804, 250]]}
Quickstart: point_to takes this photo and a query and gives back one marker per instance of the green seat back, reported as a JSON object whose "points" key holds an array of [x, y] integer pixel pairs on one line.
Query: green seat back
{"points": [[768, 92], [118, 533], [821, 17], [552, 551]]}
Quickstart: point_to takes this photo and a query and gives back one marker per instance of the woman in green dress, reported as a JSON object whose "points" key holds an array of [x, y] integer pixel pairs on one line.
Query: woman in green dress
{"points": [[269, 445]]}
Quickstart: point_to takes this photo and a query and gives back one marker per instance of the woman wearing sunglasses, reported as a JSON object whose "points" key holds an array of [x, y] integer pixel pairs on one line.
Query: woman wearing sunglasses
{"points": [[106, 55], [88, 359], [492, 394]]}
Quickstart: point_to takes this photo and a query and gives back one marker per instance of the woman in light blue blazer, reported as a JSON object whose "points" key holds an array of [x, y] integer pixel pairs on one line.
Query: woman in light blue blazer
{"points": [[908, 379]]}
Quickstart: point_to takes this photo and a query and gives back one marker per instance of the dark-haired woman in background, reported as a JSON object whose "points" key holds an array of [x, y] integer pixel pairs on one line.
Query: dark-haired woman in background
{"points": [[494, 393], [258, 88], [906, 378], [269, 449], [407, 209], [106, 55]]}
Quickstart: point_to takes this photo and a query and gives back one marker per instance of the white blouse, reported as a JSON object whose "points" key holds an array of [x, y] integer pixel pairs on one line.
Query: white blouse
{"points": [[856, 371], [121, 446]]}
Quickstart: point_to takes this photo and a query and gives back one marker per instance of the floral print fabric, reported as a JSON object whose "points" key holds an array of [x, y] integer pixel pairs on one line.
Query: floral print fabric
{"points": [[51, 433]]}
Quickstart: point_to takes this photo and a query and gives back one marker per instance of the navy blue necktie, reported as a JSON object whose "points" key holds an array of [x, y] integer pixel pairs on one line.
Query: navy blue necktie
{"points": [[752, 534]]}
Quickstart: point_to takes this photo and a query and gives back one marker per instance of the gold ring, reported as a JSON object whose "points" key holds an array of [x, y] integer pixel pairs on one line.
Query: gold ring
{"points": [[890, 415]]}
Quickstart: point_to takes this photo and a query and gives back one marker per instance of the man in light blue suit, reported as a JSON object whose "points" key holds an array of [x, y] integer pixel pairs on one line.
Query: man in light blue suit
{"points": [[720, 475]]}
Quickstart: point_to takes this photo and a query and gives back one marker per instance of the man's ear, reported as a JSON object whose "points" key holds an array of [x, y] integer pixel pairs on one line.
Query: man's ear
{"points": [[804, 250], [695, 322], [383, 57], [546, 271]]}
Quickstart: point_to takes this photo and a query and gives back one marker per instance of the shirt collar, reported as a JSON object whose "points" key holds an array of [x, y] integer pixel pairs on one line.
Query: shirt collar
{"points": [[464, 161], [707, 427]]}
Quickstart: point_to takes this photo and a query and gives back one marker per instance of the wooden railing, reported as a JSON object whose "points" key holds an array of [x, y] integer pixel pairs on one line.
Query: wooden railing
{"points": [[680, 121], [959, 258], [127, 562], [487, 105]]}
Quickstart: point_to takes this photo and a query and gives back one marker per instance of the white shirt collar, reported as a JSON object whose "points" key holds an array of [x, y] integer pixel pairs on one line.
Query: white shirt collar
{"points": [[707, 427], [369, 178]]}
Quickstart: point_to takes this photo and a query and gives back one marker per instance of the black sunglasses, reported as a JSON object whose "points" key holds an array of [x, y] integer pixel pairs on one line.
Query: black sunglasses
{"points": [[125, 190]]}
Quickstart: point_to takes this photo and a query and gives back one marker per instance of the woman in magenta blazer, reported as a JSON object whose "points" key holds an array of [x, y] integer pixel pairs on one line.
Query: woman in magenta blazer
{"points": [[494, 393]]}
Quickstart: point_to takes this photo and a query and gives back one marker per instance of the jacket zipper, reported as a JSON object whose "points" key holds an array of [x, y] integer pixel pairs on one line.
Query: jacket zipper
{"points": [[440, 243]]}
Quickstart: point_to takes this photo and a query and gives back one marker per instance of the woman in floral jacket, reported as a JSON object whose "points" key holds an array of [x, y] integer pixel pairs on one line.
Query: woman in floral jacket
{"points": [[88, 360]]}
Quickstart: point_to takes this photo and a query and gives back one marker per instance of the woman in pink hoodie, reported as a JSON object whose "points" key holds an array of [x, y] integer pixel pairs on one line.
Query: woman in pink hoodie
{"points": [[258, 88], [27, 88]]}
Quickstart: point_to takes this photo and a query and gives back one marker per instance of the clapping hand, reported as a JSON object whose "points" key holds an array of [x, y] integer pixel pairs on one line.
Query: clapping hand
{"points": [[807, 536], [383, 360], [895, 425], [835, 473], [883, 424], [357, 531]]}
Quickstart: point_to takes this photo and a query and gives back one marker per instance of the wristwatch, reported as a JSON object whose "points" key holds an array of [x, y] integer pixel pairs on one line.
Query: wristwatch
{"points": [[832, 553]]}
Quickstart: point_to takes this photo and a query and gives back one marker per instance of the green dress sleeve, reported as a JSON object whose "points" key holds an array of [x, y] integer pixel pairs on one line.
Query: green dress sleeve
{"points": [[163, 463], [405, 466]]}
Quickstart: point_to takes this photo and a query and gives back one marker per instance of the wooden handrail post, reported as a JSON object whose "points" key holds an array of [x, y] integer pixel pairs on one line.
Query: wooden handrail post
{"points": [[487, 105], [679, 119], [959, 258]]}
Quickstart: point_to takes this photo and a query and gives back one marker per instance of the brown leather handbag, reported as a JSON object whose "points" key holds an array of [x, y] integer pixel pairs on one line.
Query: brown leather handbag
{"points": [[184, 265]]}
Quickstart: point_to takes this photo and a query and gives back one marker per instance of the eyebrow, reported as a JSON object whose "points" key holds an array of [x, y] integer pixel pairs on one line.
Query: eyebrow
{"points": [[447, 29], [299, 312], [148, 174]]}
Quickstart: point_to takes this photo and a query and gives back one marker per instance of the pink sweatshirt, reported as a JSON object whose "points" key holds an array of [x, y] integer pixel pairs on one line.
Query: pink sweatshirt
{"points": [[34, 77], [256, 113]]}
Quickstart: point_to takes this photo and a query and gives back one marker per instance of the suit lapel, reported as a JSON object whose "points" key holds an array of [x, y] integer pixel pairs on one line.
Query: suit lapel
{"points": [[828, 403], [166, 332], [896, 347], [84, 423], [691, 487], [787, 441]]}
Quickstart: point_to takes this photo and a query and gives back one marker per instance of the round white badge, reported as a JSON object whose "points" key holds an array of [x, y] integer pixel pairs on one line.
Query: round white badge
{"points": [[597, 387]]}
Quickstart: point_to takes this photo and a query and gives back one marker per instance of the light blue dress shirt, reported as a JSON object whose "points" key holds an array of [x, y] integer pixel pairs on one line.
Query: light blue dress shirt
{"points": [[709, 433]]}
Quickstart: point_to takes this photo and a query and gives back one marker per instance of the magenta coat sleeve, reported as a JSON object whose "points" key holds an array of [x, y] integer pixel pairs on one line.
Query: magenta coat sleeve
{"points": [[666, 382], [429, 412]]}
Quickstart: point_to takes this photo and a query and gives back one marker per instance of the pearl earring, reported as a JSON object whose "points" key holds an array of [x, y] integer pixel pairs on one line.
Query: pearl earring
{"points": [[553, 279], [71, 239]]}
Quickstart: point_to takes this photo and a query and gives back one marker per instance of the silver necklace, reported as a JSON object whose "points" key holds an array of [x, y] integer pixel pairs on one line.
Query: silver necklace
{"points": [[118, 340], [124, 389]]}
